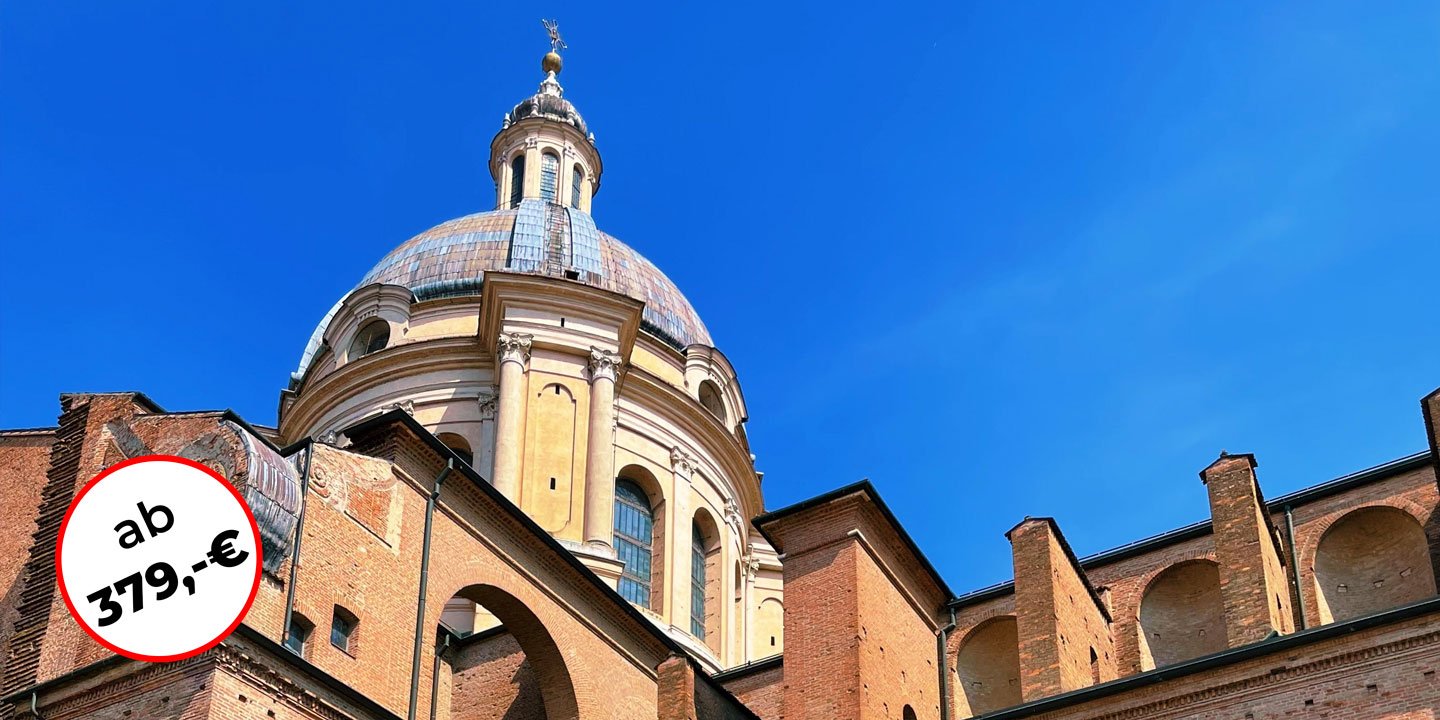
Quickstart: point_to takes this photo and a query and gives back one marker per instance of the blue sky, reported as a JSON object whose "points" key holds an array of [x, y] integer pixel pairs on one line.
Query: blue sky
{"points": [[1004, 259]]}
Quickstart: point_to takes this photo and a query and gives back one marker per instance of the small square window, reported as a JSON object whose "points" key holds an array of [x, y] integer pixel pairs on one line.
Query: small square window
{"points": [[343, 627]]}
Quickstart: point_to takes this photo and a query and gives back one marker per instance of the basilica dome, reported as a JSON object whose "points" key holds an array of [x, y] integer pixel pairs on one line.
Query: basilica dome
{"points": [[535, 238]]}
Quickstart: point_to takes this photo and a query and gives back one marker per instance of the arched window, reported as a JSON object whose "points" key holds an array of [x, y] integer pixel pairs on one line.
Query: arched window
{"points": [[459, 446], [908, 713], [517, 180], [1372, 559], [575, 179], [549, 176], [634, 535], [345, 631], [373, 336], [697, 581], [297, 640], [710, 398]]}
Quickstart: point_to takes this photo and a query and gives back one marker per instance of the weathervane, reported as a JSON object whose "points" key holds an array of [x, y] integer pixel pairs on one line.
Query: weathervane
{"points": [[552, 27]]}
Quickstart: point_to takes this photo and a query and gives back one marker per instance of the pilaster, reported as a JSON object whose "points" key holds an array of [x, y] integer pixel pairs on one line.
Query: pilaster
{"points": [[1253, 581]]}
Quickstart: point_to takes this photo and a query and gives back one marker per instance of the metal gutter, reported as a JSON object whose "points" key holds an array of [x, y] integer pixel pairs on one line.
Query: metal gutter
{"points": [[944, 666], [440, 651], [299, 536], [424, 586], [1298, 609], [754, 666]]}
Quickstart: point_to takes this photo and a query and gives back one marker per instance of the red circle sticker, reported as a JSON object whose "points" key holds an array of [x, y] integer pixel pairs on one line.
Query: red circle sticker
{"points": [[158, 558]]}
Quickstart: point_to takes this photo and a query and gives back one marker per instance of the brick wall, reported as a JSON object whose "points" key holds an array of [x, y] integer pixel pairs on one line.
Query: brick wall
{"points": [[1387, 672], [24, 458], [1063, 632], [1253, 580], [860, 614], [762, 691], [897, 647], [1126, 582], [492, 680]]}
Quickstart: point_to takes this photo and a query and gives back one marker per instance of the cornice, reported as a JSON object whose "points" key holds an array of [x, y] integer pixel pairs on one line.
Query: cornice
{"points": [[1272, 678], [1422, 616], [400, 361], [685, 412]]}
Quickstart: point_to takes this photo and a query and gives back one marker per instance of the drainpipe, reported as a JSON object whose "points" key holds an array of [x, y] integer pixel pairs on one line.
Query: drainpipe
{"points": [[424, 583], [435, 673], [941, 642], [299, 535], [34, 709], [1294, 566]]}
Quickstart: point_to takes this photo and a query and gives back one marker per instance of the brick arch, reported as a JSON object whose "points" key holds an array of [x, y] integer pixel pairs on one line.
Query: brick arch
{"points": [[1181, 614], [542, 654], [1369, 559], [1310, 534], [987, 667], [487, 554]]}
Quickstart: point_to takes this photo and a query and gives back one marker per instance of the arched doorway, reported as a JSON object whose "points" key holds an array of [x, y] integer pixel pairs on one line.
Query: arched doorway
{"points": [[510, 671]]}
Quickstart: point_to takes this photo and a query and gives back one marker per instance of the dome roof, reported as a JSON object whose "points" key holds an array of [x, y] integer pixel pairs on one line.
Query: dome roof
{"points": [[536, 238], [550, 107], [548, 103]]}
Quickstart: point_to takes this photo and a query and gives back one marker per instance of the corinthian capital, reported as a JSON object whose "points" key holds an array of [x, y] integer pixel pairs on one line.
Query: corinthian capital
{"points": [[603, 364], [514, 347]]}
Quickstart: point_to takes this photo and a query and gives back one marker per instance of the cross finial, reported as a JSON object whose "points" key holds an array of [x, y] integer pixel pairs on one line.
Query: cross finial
{"points": [[552, 27]]}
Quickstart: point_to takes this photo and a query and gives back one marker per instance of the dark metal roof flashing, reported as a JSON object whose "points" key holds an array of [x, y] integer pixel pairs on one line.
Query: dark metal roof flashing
{"points": [[868, 489], [1070, 554], [1272, 644]]}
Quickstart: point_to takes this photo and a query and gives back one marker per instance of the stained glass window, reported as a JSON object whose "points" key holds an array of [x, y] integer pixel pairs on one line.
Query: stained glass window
{"points": [[634, 535]]}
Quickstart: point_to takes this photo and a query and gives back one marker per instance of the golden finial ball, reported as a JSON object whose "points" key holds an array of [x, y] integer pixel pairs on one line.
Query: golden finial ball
{"points": [[551, 62]]}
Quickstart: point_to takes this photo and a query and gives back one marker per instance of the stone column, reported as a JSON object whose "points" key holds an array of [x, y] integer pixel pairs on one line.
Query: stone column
{"points": [[513, 354], [485, 455], [600, 449], [677, 542]]}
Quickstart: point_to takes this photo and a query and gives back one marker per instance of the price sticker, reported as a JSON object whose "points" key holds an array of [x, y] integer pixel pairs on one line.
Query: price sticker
{"points": [[158, 558]]}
